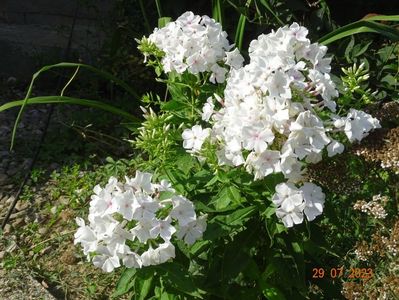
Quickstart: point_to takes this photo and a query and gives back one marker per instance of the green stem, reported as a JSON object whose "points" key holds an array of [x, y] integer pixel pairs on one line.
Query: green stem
{"points": [[159, 9]]}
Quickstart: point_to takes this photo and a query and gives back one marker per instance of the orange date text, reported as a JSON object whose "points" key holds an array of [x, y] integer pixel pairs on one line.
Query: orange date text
{"points": [[351, 273]]}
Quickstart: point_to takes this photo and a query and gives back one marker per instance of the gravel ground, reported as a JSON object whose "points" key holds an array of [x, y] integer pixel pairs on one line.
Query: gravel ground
{"points": [[17, 283]]}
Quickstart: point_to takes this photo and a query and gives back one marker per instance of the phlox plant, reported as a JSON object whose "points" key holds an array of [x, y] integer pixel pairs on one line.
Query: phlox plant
{"points": [[230, 143], [220, 206]]}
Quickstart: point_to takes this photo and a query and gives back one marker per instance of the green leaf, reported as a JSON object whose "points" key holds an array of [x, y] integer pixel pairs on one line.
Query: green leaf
{"points": [[174, 105], [383, 18], [349, 48], [125, 283], [162, 22], [227, 195], [361, 26], [199, 247], [176, 276], [240, 216], [143, 287], [359, 49], [223, 225], [202, 207], [69, 100], [274, 228], [185, 162]]}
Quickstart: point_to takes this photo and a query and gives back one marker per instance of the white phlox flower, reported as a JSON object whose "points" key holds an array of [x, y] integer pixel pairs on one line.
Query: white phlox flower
{"points": [[314, 200], [277, 115], [293, 203], [140, 217], [358, 124], [193, 230], [196, 44], [195, 137]]}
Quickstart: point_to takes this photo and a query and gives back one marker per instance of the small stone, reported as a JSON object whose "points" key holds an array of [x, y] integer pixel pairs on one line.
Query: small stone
{"points": [[42, 230], [53, 210], [2, 253], [18, 222], [8, 187], [17, 215], [28, 219], [11, 247], [44, 284], [66, 215], [64, 200], [10, 200], [7, 229], [45, 250], [21, 205], [68, 257]]}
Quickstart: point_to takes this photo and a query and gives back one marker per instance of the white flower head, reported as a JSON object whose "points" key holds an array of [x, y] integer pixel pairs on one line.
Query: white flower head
{"points": [[136, 214]]}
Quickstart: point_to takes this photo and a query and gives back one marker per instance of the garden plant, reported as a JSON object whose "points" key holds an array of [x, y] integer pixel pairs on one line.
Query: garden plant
{"points": [[266, 169]]}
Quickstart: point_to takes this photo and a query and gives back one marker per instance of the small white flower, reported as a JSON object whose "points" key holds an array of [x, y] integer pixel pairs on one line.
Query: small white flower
{"points": [[290, 204], [159, 255], [207, 109], [144, 207], [234, 59], [314, 200], [218, 74], [358, 124], [124, 203], [195, 137], [105, 260], [142, 230], [334, 148], [142, 181], [183, 210], [163, 228], [193, 230]]}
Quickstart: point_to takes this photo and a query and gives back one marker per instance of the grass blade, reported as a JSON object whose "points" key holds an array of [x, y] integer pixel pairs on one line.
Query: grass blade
{"points": [[360, 27], [69, 100], [99, 72], [104, 74], [217, 11], [240, 31], [270, 9], [144, 13], [393, 18]]}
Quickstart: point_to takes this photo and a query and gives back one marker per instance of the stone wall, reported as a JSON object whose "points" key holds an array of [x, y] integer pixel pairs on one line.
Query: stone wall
{"points": [[35, 32]]}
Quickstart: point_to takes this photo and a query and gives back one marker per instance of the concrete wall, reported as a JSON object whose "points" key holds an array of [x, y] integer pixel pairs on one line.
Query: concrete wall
{"points": [[35, 32]]}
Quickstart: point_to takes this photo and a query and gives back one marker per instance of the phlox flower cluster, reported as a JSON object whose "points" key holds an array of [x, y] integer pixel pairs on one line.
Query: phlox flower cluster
{"points": [[130, 225], [196, 44], [293, 203], [278, 113]]}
